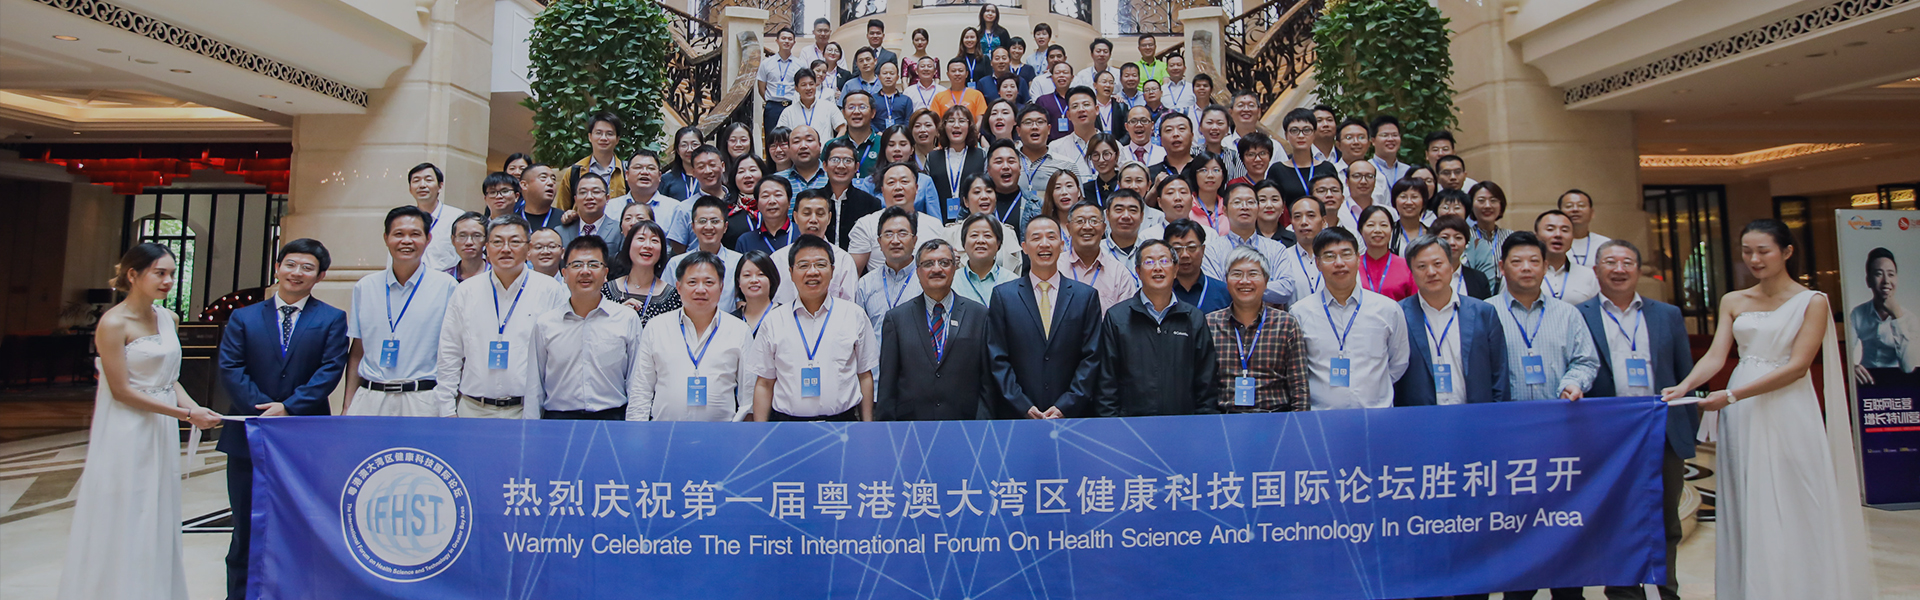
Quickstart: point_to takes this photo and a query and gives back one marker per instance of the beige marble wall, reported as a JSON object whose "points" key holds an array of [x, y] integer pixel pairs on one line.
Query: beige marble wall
{"points": [[1515, 131], [349, 170]]}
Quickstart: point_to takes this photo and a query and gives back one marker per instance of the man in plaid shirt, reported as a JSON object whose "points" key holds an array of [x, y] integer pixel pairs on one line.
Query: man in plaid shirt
{"points": [[1261, 355]]}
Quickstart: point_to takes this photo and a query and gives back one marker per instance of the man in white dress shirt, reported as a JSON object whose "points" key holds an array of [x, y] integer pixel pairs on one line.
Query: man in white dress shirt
{"points": [[1359, 337], [1072, 148], [424, 182], [691, 363], [893, 282], [1297, 274], [584, 351], [1102, 50], [398, 380], [643, 186], [815, 360], [810, 110], [709, 222], [486, 367], [1586, 242], [1564, 281], [1242, 229], [899, 187], [1177, 93], [812, 213]]}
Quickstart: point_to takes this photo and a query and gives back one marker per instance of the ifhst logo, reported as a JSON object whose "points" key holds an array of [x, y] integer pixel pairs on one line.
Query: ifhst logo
{"points": [[1858, 223], [405, 515]]}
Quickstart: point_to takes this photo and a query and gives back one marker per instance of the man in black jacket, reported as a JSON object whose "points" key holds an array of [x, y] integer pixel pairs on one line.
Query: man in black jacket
{"points": [[934, 364], [1156, 354]]}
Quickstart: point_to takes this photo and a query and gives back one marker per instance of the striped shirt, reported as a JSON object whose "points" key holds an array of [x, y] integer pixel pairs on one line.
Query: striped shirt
{"points": [[1558, 334]]}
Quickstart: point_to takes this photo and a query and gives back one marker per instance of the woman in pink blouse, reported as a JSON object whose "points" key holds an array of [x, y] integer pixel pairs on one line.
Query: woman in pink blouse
{"points": [[1381, 271]]}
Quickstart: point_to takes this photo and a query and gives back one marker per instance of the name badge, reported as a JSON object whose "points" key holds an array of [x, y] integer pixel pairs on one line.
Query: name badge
{"points": [[1342, 372], [390, 354], [1637, 375], [496, 355], [1063, 125], [953, 206], [696, 391], [1443, 378], [1243, 391], [810, 382], [1534, 369]]}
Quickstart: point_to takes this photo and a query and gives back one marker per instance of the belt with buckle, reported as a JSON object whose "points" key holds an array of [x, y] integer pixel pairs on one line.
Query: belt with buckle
{"points": [[502, 402], [395, 388]]}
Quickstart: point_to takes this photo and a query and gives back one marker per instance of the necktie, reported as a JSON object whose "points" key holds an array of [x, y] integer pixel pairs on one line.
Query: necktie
{"points": [[937, 328], [1140, 153], [586, 230], [1046, 309], [286, 327]]}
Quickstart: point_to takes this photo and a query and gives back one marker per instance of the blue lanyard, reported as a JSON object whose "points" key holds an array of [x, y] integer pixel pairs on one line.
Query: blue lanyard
{"points": [[1342, 333], [1633, 339], [762, 319], [1246, 351], [712, 328], [1013, 206], [886, 108], [813, 347], [886, 289], [1524, 337], [510, 307], [1379, 283], [1097, 269], [939, 343], [1313, 285], [1213, 214], [1441, 342], [644, 306], [1560, 295], [1301, 175], [393, 323]]}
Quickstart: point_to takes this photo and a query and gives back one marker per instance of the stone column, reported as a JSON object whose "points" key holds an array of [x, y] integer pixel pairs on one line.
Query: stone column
{"points": [[1206, 28], [349, 170], [1514, 130], [741, 26]]}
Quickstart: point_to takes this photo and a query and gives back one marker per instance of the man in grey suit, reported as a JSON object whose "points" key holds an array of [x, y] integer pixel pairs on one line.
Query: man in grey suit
{"points": [[934, 363], [1643, 349], [590, 203]]}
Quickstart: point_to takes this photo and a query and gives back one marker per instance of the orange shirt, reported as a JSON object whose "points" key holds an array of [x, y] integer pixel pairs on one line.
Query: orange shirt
{"points": [[970, 98]]}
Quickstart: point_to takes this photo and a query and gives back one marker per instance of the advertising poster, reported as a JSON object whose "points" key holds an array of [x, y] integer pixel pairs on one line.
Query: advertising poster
{"points": [[1883, 346]]}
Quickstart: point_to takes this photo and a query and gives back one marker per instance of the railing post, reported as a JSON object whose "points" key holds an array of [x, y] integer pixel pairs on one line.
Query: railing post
{"points": [[737, 21], [1205, 30]]}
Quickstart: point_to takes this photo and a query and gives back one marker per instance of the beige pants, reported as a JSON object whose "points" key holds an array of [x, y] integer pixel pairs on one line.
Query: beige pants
{"points": [[374, 403], [475, 409]]}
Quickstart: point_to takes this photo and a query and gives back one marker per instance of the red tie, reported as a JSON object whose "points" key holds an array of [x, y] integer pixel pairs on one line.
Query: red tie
{"points": [[1140, 153]]}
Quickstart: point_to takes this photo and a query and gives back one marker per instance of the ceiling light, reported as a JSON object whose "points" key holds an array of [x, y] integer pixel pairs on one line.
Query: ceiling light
{"points": [[1816, 55], [1683, 91], [1777, 64], [146, 62], [1854, 44], [1894, 30], [268, 96], [180, 70], [1683, 150], [76, 133], [68, 38], [108, 50], [1668, 120]]}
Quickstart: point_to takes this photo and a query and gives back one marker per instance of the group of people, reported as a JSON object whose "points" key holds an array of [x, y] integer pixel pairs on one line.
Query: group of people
{"points": [[1064, 253]]}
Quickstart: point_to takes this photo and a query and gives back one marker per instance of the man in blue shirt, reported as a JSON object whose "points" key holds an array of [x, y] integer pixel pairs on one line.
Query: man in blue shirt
{"points": [[1190, 285]]}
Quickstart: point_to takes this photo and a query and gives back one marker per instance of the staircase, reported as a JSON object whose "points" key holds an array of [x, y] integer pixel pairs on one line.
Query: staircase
{"points": [[1267, 49]]}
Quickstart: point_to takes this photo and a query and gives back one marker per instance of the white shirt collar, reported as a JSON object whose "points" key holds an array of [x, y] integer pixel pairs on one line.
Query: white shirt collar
{"points": [[297, 306]]}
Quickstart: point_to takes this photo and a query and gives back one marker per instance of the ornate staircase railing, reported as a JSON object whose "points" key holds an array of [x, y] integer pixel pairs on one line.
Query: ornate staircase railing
{"points": [[694, 67], [1269, 47], [781, 14]]}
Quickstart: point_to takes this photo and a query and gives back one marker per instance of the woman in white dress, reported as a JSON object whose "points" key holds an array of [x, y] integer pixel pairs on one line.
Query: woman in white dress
{"points": [[1789, 518], [126, 523]]}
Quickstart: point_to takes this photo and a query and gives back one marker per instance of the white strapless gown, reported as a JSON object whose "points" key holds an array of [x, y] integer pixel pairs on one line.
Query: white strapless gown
{"points": [[1789, 521], [126, 523]]}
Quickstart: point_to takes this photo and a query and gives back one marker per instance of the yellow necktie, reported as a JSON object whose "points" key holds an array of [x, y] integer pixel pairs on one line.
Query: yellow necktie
{"points": [[1046, 309]]}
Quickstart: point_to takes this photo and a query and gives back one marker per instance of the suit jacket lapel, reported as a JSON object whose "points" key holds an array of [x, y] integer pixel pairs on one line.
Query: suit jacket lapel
{"points": [[1596, 324], [923, 338], [1419, 332], [1030, 302], [1655, 354]]}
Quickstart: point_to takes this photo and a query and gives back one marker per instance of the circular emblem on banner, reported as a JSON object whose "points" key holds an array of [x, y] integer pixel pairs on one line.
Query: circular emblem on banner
{"points": [[1904, 223], [405, 515]]}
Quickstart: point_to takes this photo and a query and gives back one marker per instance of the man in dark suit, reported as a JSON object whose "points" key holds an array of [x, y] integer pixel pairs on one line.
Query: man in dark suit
{"points": [[279, 357], [1458, 352], [934, 364], [1044, 334], [1643, 349]]}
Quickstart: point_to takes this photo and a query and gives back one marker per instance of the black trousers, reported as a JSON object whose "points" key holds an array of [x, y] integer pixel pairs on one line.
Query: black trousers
{"points": [[617, 413], [240, 497], [770, 115], [851, 414]]}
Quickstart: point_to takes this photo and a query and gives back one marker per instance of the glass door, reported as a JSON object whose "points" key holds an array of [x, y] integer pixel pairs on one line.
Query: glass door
{"points": [[1689, 250]]}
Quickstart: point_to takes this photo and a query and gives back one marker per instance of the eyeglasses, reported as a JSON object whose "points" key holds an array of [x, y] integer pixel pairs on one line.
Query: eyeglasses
{"points": [[841, 160], [1353, 138], [709, 222], [1195, 247], [1141, 120], [1620, 263], [896, 235], [817, 265], [504, 193], [1299, 131], [586, 264], [938, 263], [512, 244], [1150, 263], [1085, 221], [1361, 176], [469, 237]]}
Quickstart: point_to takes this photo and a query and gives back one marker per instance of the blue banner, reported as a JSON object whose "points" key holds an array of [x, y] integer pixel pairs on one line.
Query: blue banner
{"points": [[1389, 503]]}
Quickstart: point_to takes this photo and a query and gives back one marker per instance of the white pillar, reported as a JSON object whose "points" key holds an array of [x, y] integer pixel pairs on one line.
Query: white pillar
{"points": [[1206, 28]]}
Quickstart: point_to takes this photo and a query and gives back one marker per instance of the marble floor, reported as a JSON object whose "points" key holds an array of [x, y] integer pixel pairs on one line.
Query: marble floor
{"points": [[41, 456]]}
